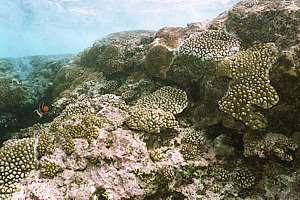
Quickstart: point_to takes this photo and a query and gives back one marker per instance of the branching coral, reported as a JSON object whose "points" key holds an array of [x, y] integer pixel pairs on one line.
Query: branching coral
{"points": [[250, 84], [210, 45], [270, 144], [17, 159]]}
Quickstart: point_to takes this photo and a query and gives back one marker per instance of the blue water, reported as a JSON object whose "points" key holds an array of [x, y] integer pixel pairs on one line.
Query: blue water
{"points": [[42, 27]]}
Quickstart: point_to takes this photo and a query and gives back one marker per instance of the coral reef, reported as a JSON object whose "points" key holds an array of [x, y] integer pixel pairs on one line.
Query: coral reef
{"points": [[158, 60], [273, 22], [184, 113], [131, 90]]}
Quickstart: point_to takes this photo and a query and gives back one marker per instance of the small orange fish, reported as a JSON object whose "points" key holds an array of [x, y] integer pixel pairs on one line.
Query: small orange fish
{"points": [[42, 109]]}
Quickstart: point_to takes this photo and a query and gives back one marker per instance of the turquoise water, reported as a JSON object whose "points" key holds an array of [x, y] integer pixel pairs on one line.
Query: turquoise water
{"points": [[43, 27]]}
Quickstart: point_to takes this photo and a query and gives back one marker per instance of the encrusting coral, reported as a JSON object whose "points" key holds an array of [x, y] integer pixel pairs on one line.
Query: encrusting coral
{"points": [[210, 45], [250, 84]]}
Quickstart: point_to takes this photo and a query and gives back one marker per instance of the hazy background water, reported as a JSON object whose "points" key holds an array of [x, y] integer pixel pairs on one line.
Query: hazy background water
{"points": [[35, 27]]}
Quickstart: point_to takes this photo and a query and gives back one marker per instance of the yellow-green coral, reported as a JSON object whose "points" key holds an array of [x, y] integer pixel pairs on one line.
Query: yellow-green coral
{"points": [[243, 178], [167, 98], [49, 169], [193, 144], [68, 143], [45, 144], [240, 176], [270, 144], [17, 159], [165, 175], [150, 120], [250, 84], [210, 45], [219, 173]]}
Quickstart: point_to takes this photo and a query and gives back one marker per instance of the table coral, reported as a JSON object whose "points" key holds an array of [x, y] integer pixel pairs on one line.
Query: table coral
{"points": [[150, 120], [167, 98], [156, 111], [250, 84], [210, 45]]}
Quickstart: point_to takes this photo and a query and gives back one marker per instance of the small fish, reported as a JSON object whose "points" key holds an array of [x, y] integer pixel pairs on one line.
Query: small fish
{"points": [[42, 109]]}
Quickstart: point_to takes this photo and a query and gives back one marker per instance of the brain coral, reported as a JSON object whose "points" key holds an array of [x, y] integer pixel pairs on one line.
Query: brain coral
{"points": [[250, 84], [210, 45], [17, 159]]}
